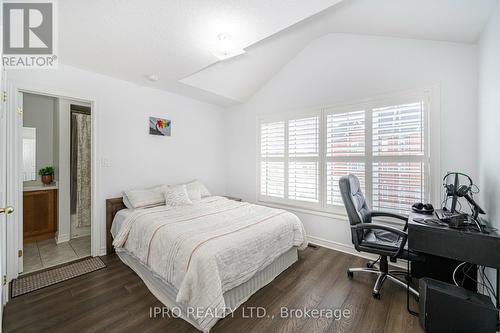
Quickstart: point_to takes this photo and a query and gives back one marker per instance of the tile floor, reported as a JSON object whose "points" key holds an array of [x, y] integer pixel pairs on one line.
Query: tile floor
{"points": [[46, 253]]}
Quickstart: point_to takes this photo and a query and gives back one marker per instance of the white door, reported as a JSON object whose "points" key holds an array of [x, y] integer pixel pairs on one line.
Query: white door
{"points": [[4, 209]]}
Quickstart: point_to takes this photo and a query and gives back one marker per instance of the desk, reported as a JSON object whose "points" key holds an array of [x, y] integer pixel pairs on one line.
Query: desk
{"points": [[455, 244]]}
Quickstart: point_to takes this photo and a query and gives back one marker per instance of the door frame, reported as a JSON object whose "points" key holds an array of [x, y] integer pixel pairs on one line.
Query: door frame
{"points": [[15, 184], [4, 288]]}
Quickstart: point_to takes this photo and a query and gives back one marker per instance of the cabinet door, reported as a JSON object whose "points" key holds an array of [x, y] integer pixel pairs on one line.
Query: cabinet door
{"points": [[40, 214]]}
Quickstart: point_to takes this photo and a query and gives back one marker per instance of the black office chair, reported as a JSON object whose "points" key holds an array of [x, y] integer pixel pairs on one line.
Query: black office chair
{"points": [[369, 237]]}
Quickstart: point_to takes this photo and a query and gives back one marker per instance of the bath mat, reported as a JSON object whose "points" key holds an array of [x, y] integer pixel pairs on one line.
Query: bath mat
{"points": [[35, 281]]}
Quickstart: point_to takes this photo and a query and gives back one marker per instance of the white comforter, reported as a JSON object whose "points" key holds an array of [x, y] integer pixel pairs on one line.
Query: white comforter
{"points": [[210, 247]]}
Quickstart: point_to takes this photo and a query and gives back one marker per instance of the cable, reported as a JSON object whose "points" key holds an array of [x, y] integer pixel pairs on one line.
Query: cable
{"points": [[455, 272], [477, 224], [445, 202], [464, 272], [484, 275], [373, 263], [482, 284]]}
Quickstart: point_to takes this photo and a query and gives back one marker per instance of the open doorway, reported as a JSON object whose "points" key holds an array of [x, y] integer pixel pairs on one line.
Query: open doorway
{"points": [[56, 179]]}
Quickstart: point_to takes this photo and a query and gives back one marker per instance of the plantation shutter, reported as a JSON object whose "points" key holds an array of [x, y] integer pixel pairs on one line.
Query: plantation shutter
{"points": [[272, 164], [398, 156], [303, 164], [345, 151], [384, 143]]}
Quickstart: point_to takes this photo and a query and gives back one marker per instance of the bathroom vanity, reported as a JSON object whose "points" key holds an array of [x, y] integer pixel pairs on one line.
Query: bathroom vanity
{"points": [[39, 212]]}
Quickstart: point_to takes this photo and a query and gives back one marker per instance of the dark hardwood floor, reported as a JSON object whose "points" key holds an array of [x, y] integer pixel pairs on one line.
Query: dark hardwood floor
{"points": [[115, 300]]}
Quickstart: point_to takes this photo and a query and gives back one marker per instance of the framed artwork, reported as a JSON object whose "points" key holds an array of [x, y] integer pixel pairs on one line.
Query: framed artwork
{"points": [[159, 126]]}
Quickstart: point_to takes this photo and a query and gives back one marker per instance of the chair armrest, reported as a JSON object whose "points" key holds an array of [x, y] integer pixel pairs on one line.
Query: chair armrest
{"points": [[388, 214], [400, 233], [393, 215]]}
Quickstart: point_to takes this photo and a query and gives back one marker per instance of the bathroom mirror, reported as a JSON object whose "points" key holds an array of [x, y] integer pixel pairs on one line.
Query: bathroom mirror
{"points": [[29, 153]]}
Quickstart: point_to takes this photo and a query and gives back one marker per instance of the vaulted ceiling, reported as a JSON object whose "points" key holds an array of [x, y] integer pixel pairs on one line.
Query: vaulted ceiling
{"points": [[173, 38]]}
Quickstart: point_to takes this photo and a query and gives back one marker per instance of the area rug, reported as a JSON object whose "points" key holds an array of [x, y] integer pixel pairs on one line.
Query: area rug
{"points": [[35, 281]]}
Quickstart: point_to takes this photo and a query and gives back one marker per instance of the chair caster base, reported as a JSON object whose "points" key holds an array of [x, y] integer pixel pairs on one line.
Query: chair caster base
{"points": [[383, 274]]}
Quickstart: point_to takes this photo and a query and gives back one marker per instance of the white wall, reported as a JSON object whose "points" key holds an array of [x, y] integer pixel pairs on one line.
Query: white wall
{"points": [[137, 159], [341, 68], [39, 113], [489, 119]]}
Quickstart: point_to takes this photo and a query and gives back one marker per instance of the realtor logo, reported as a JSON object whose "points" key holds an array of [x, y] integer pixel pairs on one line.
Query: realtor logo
{"points": [[28, 35]]}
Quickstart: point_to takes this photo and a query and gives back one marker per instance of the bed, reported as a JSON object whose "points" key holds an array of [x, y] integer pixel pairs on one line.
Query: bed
{"points": [[205, 260]]}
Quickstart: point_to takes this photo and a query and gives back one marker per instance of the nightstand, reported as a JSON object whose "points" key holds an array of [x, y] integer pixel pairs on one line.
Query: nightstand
{"points": [[232, 198]]}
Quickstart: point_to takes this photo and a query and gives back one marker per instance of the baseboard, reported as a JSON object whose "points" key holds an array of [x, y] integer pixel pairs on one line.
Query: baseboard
{"points": [[329, 244], [102, 251], [5, 293], [349, 249], [82, 232], [62, 238], [80, 235]]}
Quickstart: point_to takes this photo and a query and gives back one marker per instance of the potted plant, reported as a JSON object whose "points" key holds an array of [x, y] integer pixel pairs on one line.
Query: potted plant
{"points": [[47, 174]]}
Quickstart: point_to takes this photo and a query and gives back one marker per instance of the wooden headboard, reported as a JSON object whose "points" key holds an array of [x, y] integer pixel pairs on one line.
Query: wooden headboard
{"points": [[112, 207]]}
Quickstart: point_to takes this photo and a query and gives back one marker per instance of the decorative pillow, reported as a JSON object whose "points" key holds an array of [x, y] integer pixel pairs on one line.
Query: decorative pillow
{"points": [[144, 198], [196, 185], [176, 196], [193, 193]]}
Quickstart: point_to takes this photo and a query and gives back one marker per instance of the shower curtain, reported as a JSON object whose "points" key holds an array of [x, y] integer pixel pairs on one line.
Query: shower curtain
{"points": [[80, 168]]}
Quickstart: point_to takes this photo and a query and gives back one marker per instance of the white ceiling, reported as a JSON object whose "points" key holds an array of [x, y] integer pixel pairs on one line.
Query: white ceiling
{"points": [[169, 38], [172, 38]]}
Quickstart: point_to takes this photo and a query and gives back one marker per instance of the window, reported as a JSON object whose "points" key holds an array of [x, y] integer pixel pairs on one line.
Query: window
{"points": [[382, 142], [345, 151], [303, 159], [398, 156], [272, 166]]}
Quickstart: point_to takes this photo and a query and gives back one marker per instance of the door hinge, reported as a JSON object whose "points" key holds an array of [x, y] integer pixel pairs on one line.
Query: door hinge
{"points": [[4, 96], [19, 110], [4, 280], [20, 253]]}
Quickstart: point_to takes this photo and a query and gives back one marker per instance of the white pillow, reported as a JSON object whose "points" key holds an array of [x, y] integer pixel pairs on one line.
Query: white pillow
{"points": [[176, 196], [196, 185], [144, 198], [193, 193], [126, 202]]}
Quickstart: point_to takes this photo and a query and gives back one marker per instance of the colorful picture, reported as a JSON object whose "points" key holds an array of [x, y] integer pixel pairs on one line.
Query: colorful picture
{"points": [[159, 126]]}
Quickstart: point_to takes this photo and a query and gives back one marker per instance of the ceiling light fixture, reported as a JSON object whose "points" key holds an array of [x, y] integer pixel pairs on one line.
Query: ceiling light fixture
{"points": [[225, 47], [152, 77]]}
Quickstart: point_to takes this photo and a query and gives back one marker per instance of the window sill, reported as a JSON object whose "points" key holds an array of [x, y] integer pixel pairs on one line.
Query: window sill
{"points": [[303, 210], [333, 215]]}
